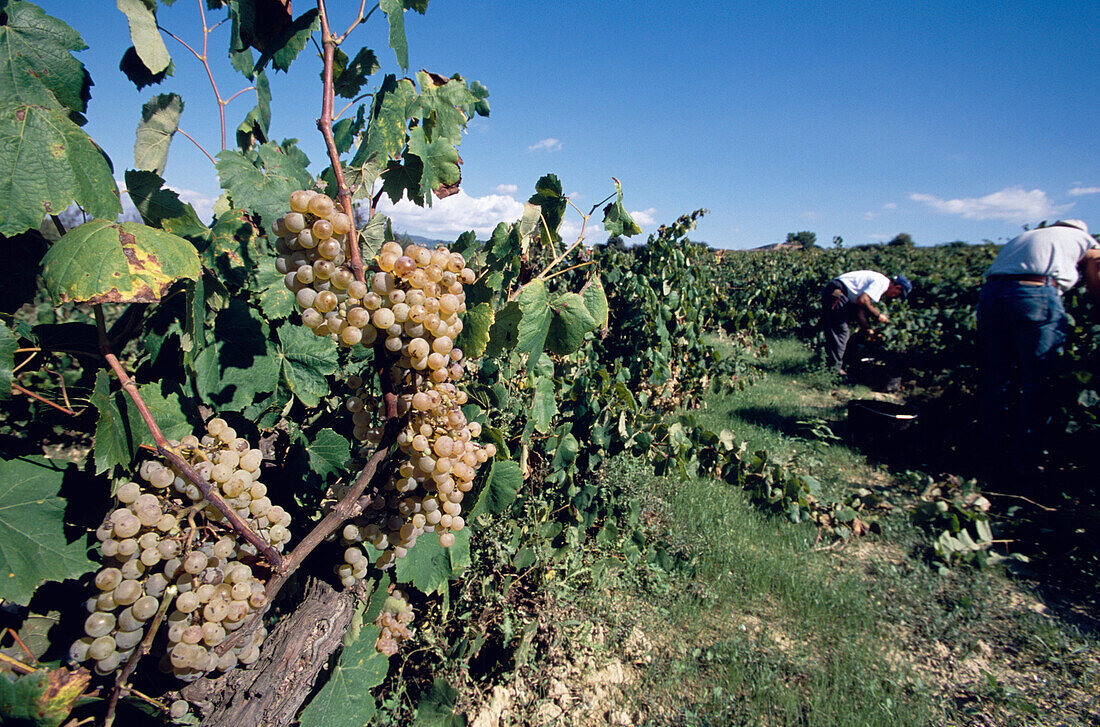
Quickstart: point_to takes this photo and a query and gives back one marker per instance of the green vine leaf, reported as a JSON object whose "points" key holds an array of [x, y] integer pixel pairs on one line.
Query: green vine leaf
{"points": [[108, 262], [50, 163], [595, 299], [328, 452], [33, 546], [393, 107], [263, 189], [437, 707], [348, 78], [442, 173], [429, 566], [572, 321], [37, 67], [504, 481], [616, 220], [160, 117], [144, 33], [285, 47], [476, 324], [162, 208], [306, 361], [395, 14]]}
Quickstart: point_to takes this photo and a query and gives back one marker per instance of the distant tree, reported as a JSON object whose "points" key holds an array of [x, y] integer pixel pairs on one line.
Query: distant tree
{"points": [[805, 238], [902, 239], [838, 241]]}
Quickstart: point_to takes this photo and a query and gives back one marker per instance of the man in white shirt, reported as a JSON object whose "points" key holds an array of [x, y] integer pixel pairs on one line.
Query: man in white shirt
{"points": [[852, 296], [1022, 323]]}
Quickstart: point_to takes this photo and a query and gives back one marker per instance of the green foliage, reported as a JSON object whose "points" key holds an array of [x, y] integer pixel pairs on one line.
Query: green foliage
{"points": [[33, 545]]}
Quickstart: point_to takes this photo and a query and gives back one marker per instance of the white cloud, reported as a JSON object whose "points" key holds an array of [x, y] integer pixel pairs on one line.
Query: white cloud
{"points": [[1011, 204], [1080, 191], [507, 189], [549, 144], [453, 215], [888, 207], [645, 217]]}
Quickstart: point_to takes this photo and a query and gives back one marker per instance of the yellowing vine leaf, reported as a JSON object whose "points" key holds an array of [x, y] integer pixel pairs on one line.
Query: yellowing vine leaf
{"points": [[108, 262]]}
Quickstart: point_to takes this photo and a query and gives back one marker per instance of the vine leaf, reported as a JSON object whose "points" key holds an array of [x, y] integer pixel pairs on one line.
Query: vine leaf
{"points": [[476, 324], [442, 173], [345, 700], [395, 14], [43, 698], [161, 207], [504, 481], [160, 117], [264, 189], [109, 262], [8, 344], [306, 361], [143, 32], [33, 547], [437, 707], [328, 452], [37, 67], [241, 362], [552, 203], [429, 566], [571, 322], [113, 444], [616, 220], [386, 132], [349, 77], [534, 303], [289, 42], [275, 299], [50, 163], [595, 299], [134, 69]]}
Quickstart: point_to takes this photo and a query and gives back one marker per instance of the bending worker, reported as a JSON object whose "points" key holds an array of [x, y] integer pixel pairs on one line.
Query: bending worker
{"points": [[850, 297], [1021, 322]]}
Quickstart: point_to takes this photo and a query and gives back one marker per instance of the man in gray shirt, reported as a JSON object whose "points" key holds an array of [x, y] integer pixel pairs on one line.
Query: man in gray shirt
{"points": [[1021, 322]]}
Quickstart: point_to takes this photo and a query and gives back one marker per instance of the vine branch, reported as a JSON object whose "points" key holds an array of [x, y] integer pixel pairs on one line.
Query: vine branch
{"points": [[324, 124], [164, 450]]}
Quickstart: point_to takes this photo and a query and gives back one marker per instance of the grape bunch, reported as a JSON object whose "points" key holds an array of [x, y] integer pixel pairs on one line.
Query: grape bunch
{"points": [[415, 293], [394, 622], [165, 543], [439, 460]]}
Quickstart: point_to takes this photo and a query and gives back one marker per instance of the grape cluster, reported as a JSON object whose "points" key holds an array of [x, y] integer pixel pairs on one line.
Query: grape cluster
{"points": [[165, 542], [415, 293], [411, 304], [394, 622]]}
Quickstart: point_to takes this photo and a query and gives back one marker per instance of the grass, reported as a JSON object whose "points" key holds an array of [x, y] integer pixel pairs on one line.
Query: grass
{"points": [[763, 624]]}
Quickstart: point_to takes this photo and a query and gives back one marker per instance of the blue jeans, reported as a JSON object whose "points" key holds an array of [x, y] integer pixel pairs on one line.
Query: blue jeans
{"points": [[1019, 326]]}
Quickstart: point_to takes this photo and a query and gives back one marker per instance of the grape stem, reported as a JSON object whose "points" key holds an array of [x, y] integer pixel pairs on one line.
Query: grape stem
{"points": [[139, 653], [164, 450], [324, 124]]}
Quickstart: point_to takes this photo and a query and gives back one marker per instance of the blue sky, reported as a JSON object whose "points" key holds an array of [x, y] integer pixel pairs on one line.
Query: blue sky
{"points": [[945, 120]]}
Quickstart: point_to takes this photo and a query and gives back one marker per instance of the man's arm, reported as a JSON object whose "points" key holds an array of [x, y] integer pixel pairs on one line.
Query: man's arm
{"points": [[1090, 271], [866, 306]]}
